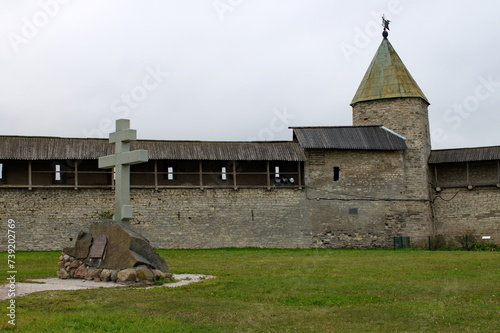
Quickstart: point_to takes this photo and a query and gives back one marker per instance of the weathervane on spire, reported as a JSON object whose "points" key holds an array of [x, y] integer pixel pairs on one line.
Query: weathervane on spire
{"points": [[385, 24]]}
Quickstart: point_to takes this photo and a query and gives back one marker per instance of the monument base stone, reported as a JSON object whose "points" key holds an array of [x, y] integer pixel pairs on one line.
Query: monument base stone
{"points": [[111, 247]]}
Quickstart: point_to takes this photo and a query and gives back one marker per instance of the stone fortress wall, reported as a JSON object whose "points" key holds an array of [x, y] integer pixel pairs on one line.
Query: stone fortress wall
{"points": [[460, 211], [49, 219]]}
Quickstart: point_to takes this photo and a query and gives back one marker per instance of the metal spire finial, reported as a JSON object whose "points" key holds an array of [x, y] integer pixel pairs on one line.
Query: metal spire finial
{"points": [[385, 24]]}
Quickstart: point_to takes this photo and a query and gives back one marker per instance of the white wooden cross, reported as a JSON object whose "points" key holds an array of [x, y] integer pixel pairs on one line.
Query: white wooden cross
{"points": [[121, 161]]}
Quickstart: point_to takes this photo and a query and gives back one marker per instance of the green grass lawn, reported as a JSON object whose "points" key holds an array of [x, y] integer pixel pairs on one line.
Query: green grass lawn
{"points": [[261, 290]]}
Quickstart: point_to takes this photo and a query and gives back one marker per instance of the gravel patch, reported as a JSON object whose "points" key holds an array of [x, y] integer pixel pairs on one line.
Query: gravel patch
{"points": [[25, 288]]}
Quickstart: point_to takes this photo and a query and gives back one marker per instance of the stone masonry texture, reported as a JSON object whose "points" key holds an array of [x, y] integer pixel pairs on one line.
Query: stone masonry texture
{"points": [[50, 219]]}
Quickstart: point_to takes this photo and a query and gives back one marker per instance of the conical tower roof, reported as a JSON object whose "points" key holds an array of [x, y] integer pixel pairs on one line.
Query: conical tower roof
{"points": [[387, 77]]}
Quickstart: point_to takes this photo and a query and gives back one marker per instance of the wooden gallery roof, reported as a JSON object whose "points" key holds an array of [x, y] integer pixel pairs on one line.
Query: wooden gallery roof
{"points": [[341, 138], [53, 148], [465, 155]]}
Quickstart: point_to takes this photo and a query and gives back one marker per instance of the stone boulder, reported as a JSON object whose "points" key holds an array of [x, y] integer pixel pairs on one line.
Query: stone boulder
{"points": [[63, 274], [124, 248], [106, 275], [127, 275], [81, 272], [144, 273], [82, 246], [92, 273], [74, 264]]}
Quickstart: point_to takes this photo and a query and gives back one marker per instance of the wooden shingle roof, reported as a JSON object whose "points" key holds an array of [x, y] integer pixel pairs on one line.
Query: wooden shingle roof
{"points": [[54, 148]]}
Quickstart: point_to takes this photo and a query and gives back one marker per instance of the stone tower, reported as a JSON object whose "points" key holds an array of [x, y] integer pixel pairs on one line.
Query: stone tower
{"points": [[389, 96]]}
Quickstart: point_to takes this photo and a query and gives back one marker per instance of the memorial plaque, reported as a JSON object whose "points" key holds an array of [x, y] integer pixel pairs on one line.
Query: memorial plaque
{"points": [[98, 247]]}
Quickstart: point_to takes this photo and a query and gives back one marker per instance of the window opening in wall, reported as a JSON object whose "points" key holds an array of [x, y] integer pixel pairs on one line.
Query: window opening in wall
{"points": [[336, 173], [224, 173], [170, 173], [277, 179], [57, 175]]}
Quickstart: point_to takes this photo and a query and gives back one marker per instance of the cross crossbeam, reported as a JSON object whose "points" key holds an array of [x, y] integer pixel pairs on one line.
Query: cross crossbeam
{"points": [[121, 161]]}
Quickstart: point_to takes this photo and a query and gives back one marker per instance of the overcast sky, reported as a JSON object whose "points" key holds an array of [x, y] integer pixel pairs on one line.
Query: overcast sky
{"points": [[237, 70]]}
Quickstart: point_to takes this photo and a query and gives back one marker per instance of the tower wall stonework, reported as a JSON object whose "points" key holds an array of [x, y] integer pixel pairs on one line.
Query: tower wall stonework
{"points": [[367, 206], [407, 117], [374, 225]]}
